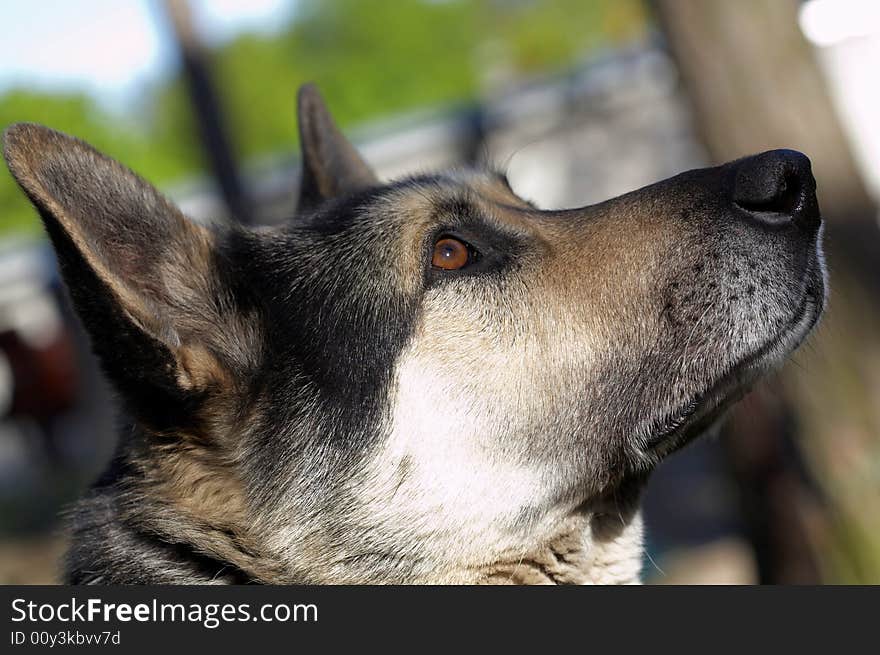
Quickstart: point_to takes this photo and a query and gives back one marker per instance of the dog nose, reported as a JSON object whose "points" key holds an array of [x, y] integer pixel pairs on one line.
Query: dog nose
{"points": [[777, 188]]}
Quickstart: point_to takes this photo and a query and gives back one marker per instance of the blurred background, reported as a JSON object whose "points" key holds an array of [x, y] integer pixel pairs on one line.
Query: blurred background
{"points": [[579, 100]]}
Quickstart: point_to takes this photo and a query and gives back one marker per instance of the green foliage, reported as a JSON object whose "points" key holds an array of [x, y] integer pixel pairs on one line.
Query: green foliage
{"points": [[369, 58]]}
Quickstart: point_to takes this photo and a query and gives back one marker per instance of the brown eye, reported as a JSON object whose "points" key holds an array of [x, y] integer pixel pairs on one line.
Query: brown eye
{"points": [[450, 254]]}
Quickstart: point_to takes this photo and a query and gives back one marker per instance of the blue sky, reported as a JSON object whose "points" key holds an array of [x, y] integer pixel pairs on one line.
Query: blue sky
{"points": [[109, 48]]}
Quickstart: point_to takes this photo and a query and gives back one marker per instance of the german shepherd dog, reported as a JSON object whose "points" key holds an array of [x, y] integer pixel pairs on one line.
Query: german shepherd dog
{"points": [[427, 381]]}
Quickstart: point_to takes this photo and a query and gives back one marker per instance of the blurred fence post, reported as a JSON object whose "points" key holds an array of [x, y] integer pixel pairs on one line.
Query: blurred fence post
{"points": [[208, 114], [753, 85]]}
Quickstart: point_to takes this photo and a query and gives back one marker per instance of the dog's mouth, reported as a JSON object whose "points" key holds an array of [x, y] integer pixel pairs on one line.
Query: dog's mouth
{"points": [[704, 408]]}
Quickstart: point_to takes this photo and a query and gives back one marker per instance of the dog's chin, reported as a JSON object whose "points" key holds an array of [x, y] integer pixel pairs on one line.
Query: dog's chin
{"points": [[706, 407]]}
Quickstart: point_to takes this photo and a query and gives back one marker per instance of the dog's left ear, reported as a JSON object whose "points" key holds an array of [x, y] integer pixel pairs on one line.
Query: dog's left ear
{"points": [[330, 164], [143, 278]]}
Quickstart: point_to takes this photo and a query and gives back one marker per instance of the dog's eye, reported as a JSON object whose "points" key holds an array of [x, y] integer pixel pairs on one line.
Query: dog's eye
{"points": [[450, 254]]}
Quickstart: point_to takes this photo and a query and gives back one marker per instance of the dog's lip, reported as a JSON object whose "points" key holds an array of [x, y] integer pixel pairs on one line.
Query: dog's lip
{"points": [[704, 408]]}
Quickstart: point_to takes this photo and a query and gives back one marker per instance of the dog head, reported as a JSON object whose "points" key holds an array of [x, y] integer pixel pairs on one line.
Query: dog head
{"points": [[423, 379]]}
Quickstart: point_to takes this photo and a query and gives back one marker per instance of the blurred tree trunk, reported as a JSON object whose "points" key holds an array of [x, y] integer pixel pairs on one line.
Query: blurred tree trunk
{"points": [[754, 85]]}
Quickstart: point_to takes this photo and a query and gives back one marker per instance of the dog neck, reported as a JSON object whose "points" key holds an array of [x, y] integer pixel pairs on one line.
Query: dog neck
{"points": [[600, 550]]}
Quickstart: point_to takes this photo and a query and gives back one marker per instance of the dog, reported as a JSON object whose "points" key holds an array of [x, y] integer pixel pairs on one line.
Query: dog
{"points": [[423, 381]]}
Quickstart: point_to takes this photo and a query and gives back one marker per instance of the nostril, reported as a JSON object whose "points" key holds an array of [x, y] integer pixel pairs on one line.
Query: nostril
{"points": [[776, 187], [784, 199]]}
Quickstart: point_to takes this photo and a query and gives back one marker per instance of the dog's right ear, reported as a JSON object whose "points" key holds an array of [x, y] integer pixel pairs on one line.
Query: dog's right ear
{"points": [[140, 274], [330, 164]]}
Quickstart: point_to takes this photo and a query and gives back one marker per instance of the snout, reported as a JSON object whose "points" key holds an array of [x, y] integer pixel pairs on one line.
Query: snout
{"points": [[736, 282], [777, 189]]}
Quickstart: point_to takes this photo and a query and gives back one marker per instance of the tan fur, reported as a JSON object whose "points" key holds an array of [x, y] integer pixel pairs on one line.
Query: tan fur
{"points": [[200, 369], [576, 556], [204, 504]]}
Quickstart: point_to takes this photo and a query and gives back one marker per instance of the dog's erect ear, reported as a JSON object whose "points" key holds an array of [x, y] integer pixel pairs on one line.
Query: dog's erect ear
{"points": [[330, 164], [140, 274]]}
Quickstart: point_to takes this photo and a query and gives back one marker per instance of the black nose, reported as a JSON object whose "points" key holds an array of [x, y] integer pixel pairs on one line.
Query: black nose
{"points": [[777, 188]]}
